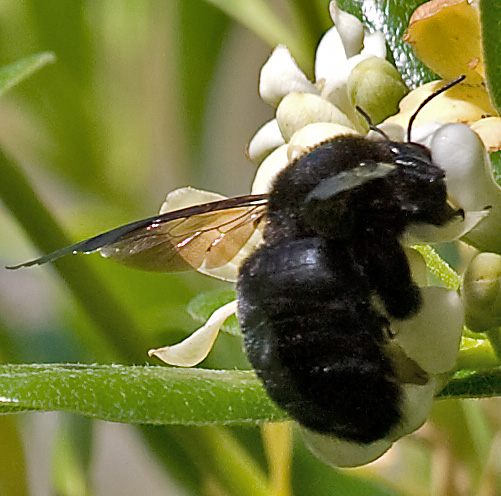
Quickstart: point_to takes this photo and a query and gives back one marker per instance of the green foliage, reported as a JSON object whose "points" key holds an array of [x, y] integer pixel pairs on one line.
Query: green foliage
{"points": [[490, 12], [138, 395]]}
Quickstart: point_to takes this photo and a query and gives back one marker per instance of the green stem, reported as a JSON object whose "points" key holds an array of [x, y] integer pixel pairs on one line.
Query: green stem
{"points": [[217, 452], [439, 267]]}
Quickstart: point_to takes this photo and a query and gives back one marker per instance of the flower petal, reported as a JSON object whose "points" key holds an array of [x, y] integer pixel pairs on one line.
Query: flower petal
{"points": [[335, 90], [375, 44], [431, 338], [377, 87], [281, 75], [462, 103], [312, 135], [470, 181], [428, 234], [416, 405], [330, 56], [489, 130], [196, 347], [417, 264], [481, 292], [187, 197], [267, 138], [350, 29], [340, 453], [275, 162]]}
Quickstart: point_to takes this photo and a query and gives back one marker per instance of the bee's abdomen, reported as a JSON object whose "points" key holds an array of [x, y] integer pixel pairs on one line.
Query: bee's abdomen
{"points": [[315, 341]]}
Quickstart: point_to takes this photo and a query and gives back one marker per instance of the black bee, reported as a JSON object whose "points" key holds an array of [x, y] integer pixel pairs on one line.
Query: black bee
{"points": [[316, 298]]}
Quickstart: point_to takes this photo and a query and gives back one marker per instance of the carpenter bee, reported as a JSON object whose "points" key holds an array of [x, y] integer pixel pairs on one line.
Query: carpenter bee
{"points": [[316, 297]]}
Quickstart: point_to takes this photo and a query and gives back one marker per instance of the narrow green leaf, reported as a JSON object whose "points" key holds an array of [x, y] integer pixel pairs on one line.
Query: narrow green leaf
{"points": [[161, 395], [439, 267], [14, 73], [496, 165], [472, 384], [139, 395], [202, 31], [490, 15]]}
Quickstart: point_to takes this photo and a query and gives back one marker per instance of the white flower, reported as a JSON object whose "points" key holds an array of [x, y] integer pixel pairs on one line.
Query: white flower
{"points": [[348, 62], [332, 97], [459, 151]]}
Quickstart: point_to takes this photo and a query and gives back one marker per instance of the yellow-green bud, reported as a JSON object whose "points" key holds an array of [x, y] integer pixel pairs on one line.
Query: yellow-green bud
{"points": [[297, 110], [481, 292], [376, 86]]}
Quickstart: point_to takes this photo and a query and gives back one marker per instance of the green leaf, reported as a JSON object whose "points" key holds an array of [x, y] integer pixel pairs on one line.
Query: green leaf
{"points": [[472, 384], [496, 165], [205, 304], [392, 17], [490, 15], [202, 31], [138, 395], [12, 74], [162, 395]]}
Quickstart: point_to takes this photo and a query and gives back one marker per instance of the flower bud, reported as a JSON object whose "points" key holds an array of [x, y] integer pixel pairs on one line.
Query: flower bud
{"points": [[297, 110], [377, 87], [481, 292]]}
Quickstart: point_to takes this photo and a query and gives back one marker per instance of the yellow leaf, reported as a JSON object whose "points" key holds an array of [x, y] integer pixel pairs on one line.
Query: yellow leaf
{"points": [[446, 36]]}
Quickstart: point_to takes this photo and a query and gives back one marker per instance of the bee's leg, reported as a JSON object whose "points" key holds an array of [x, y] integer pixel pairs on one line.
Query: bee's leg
{"points": [[388, 269]]}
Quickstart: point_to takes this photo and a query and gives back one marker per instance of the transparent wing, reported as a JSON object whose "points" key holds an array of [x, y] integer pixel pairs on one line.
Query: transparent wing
{"points": [[212, 233]]}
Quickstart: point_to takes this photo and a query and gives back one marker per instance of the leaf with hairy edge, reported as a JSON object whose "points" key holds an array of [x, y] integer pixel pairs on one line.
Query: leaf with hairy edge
{"points": [[471, 384], [138, 395], [162, 395]]}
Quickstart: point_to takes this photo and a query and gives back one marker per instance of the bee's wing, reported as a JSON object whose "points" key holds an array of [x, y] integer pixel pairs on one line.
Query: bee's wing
{"points": [[212, 233]]}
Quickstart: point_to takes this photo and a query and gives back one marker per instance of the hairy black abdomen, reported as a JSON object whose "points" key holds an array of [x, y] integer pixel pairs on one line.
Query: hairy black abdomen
{"points": [[315, 341]]}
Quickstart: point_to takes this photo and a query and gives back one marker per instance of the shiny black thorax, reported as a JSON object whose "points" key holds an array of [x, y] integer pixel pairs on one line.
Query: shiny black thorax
{"points": [[307, 296]]}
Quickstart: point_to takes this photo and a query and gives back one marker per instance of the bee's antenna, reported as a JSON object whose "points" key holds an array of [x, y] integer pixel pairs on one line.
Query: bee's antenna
{"points": [[428, 99], [372, 127]]}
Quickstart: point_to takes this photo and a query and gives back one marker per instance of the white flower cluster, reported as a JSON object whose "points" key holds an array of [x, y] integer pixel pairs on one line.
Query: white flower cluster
{"points": [[308, 113]]}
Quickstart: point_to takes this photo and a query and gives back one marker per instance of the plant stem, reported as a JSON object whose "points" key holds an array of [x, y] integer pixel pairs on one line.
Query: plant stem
{"points": [[277, 438], [217, 453], [439, 267]]}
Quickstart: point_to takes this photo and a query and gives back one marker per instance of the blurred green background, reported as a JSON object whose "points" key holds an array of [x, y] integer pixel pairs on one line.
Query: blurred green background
{"points": [[147, 96]]}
